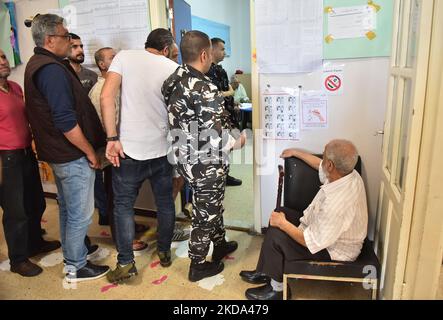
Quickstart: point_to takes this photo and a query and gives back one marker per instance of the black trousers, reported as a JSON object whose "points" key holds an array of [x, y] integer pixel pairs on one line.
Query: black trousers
{"points": [[23, 203], [278, 248]]}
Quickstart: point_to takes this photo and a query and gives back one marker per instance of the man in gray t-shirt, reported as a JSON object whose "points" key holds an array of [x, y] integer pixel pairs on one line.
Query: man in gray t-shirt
{"points": [[87, 77]]}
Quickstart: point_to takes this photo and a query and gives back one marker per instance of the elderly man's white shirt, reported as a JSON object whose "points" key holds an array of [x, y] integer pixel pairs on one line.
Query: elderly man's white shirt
{"points": [[337, 219]]}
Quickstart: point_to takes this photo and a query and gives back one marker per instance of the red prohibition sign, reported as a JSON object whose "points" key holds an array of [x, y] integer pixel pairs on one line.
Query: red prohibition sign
{"points": [[333, 83]]}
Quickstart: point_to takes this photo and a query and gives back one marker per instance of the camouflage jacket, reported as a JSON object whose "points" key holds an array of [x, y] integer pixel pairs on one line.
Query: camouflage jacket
{"points": [[200, 132]]}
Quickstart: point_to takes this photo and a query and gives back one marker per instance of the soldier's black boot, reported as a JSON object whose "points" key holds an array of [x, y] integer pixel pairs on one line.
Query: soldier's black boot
{"points": [[223, 249], [199, 271]]}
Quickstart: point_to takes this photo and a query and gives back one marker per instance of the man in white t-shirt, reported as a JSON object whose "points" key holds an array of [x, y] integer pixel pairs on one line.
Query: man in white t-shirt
{"points": [[138, 148]]}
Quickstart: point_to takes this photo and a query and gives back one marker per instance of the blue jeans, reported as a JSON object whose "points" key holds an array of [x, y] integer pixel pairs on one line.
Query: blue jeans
{"points": [[127, 181], [75, 189]]}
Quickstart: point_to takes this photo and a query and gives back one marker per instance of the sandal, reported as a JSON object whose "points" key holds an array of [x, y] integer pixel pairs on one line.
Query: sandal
{"points": [[138, 246]]}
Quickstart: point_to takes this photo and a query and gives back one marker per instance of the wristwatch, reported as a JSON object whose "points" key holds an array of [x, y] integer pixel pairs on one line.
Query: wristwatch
{"points": [[116, 138]]}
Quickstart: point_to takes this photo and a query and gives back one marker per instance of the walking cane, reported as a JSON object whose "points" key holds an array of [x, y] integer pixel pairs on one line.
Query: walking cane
{"points": [[281, 175]]}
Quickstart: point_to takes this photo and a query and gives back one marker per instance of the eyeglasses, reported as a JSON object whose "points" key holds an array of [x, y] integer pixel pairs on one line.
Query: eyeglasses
{"points": [[66, 36]]}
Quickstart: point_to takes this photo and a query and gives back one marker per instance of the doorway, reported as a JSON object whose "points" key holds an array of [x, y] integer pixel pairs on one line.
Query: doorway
{"points": [[228, 20]]}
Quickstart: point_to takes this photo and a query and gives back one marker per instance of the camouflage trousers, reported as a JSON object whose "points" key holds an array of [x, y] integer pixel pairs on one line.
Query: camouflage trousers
{"points": [[208, 191]]}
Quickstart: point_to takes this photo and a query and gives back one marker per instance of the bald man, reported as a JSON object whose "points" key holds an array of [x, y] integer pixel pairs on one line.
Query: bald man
{"points": [[332, 228]]}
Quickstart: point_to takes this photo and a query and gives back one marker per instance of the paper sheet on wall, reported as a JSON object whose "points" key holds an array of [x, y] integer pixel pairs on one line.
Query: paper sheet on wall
{"points": [[289, 35], [352, 22], [120, 24], [281, 114], [357, 28], [314, 105]]}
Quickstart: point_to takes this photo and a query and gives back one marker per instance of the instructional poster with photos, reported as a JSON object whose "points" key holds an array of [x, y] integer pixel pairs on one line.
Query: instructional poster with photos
{"points": [[281, 114], [314, 114]]}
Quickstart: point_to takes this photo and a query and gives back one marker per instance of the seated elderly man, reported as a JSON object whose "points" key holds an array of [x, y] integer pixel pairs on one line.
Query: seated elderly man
{"points": [[332, 228], [240, 94]]}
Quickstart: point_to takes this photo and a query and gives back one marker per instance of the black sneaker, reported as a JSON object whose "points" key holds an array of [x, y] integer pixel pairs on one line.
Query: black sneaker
{"points": [[165, 258], [223, 249], [89, 272], [199, 271]]}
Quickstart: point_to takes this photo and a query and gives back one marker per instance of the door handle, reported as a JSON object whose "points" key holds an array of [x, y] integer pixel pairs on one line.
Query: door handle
{"points": [[379, 133]]}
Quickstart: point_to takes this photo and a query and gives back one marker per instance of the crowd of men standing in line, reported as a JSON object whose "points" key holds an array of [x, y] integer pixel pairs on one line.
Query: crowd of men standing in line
{"points": [[103, 137], [142, 99]]}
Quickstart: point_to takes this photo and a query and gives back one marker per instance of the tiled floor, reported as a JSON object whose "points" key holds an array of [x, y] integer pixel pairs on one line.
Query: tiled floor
{"points": [[239, 200], [49, 284], [239, 206]]}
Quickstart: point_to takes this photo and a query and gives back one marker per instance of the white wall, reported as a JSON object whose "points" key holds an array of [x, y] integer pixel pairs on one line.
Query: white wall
{"points": [[234, 13], [24, 9], [356, 116]]}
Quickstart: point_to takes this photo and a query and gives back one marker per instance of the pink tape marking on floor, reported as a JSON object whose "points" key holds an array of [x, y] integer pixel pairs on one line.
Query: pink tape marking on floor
{"points": [[105, 234], [154, 264], [230, 258], [160, 281], [110, 286]]}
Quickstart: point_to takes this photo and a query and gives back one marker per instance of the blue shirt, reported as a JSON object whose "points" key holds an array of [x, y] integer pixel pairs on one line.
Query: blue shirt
{"points": [[54, 84]]}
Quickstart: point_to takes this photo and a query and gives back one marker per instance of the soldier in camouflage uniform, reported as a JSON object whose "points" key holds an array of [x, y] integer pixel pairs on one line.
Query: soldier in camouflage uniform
{"points": [[200, 147], [220, 78]]}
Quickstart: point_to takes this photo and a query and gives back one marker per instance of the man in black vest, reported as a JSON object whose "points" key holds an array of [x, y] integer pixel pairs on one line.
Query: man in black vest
{"points": [[219, 77], [67, 132]]}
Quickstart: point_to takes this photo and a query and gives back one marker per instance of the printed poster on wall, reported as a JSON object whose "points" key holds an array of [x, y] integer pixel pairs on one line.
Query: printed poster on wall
{"points": [[314, 105], [289, 35], [119, 24], [281, 114]]}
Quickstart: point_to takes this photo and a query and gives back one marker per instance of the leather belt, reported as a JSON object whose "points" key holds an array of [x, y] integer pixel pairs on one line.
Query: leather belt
{"points": [[25, 151]]}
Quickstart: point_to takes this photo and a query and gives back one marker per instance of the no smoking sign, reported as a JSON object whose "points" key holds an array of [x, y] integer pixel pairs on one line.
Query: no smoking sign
{"points": [[333, 79], [333, 83]]}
